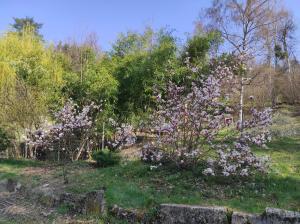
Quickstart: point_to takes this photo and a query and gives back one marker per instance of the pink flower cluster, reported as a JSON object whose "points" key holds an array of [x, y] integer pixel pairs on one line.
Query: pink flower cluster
{"points": [[123, 136], [71, 125], [239, 159], [188, 119], [256, 128], [151, 154]]}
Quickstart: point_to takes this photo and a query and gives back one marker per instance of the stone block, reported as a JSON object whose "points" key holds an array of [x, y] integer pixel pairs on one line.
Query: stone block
{"points": [[182, 214]]}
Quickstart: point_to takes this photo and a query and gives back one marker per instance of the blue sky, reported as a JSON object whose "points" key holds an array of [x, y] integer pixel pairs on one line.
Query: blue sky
{"points": [[74, 19]]}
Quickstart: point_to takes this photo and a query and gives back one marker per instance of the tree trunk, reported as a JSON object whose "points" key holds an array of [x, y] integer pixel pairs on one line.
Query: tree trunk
{"points": [[25, 152], [103, 135], [80, 150], [241, 112], [271, 86]]}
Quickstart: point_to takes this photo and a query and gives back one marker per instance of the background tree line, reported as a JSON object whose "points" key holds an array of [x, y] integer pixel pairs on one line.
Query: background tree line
{"points": [[37, 78]]}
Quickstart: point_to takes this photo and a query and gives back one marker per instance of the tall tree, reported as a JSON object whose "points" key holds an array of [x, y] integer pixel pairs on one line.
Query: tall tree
{"points": [[140, 63], [200, 45], [28, 22], [30, 77], [285, 36], [88, 75], [239, 22]]}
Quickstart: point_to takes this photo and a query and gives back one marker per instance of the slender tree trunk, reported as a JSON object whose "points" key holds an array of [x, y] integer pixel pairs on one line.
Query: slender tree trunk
{"points": [[289, 64], [81, 148], [241, 112], [271, 86], [25, 152], [271, 79], [103, 128]]}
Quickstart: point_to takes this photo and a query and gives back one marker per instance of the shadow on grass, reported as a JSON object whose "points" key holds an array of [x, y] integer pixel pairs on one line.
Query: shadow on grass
{"points": [[286, 144], [19, 163]]}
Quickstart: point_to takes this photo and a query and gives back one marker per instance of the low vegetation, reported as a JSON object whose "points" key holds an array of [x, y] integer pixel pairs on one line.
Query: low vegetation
{"points": [[133, 184]]}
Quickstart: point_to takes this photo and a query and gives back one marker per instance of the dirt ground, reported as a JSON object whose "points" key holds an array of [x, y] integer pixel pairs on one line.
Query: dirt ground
{"points": [[18, 209], [14, 208]]}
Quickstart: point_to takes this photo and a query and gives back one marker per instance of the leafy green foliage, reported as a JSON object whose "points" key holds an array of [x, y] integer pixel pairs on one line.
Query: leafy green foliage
{"points": [[4, 140], [199, 45], [279, 53], [105, 158], [88, 77], [140, 63], [20, 24], [36, 79], [30, 80]]}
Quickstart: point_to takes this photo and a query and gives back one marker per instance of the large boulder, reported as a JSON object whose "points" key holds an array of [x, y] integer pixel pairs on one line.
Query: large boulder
{"points": [[181, 214]]}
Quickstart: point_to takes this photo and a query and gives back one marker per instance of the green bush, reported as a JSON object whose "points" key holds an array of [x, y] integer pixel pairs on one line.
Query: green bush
{"points": [[106, 158], [4, 140]]}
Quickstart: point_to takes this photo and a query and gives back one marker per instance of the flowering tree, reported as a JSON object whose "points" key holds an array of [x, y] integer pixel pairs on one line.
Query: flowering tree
{"points": [[188, 120], [71, 125], [239, 159], [123, 135]]}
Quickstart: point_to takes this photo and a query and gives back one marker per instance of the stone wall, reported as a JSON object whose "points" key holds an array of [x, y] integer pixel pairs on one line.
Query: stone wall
{"points": [[174, 213], [93, 203], [180, 214]]}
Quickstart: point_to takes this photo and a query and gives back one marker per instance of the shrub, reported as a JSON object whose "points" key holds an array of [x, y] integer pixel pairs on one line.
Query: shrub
{"points": [[70, 134], [106, 158], [151, 154], [123, 135], [189, 117], [4, 140], [188, 121]]}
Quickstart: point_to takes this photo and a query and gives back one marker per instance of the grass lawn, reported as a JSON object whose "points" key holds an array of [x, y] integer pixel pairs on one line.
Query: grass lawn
{"points": [[133, 185]]}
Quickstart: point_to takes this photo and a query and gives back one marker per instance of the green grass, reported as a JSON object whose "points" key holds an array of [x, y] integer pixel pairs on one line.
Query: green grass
{"points": [[10, 168], [134, 185]]}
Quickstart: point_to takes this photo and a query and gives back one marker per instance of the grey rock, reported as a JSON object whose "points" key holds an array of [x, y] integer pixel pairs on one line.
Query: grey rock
{"points": [[94, 203], [46, 214], [3, 184], [44, 195], [12, 185], [131, 216], [177, 214], [280, 216], [245, 218]]}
